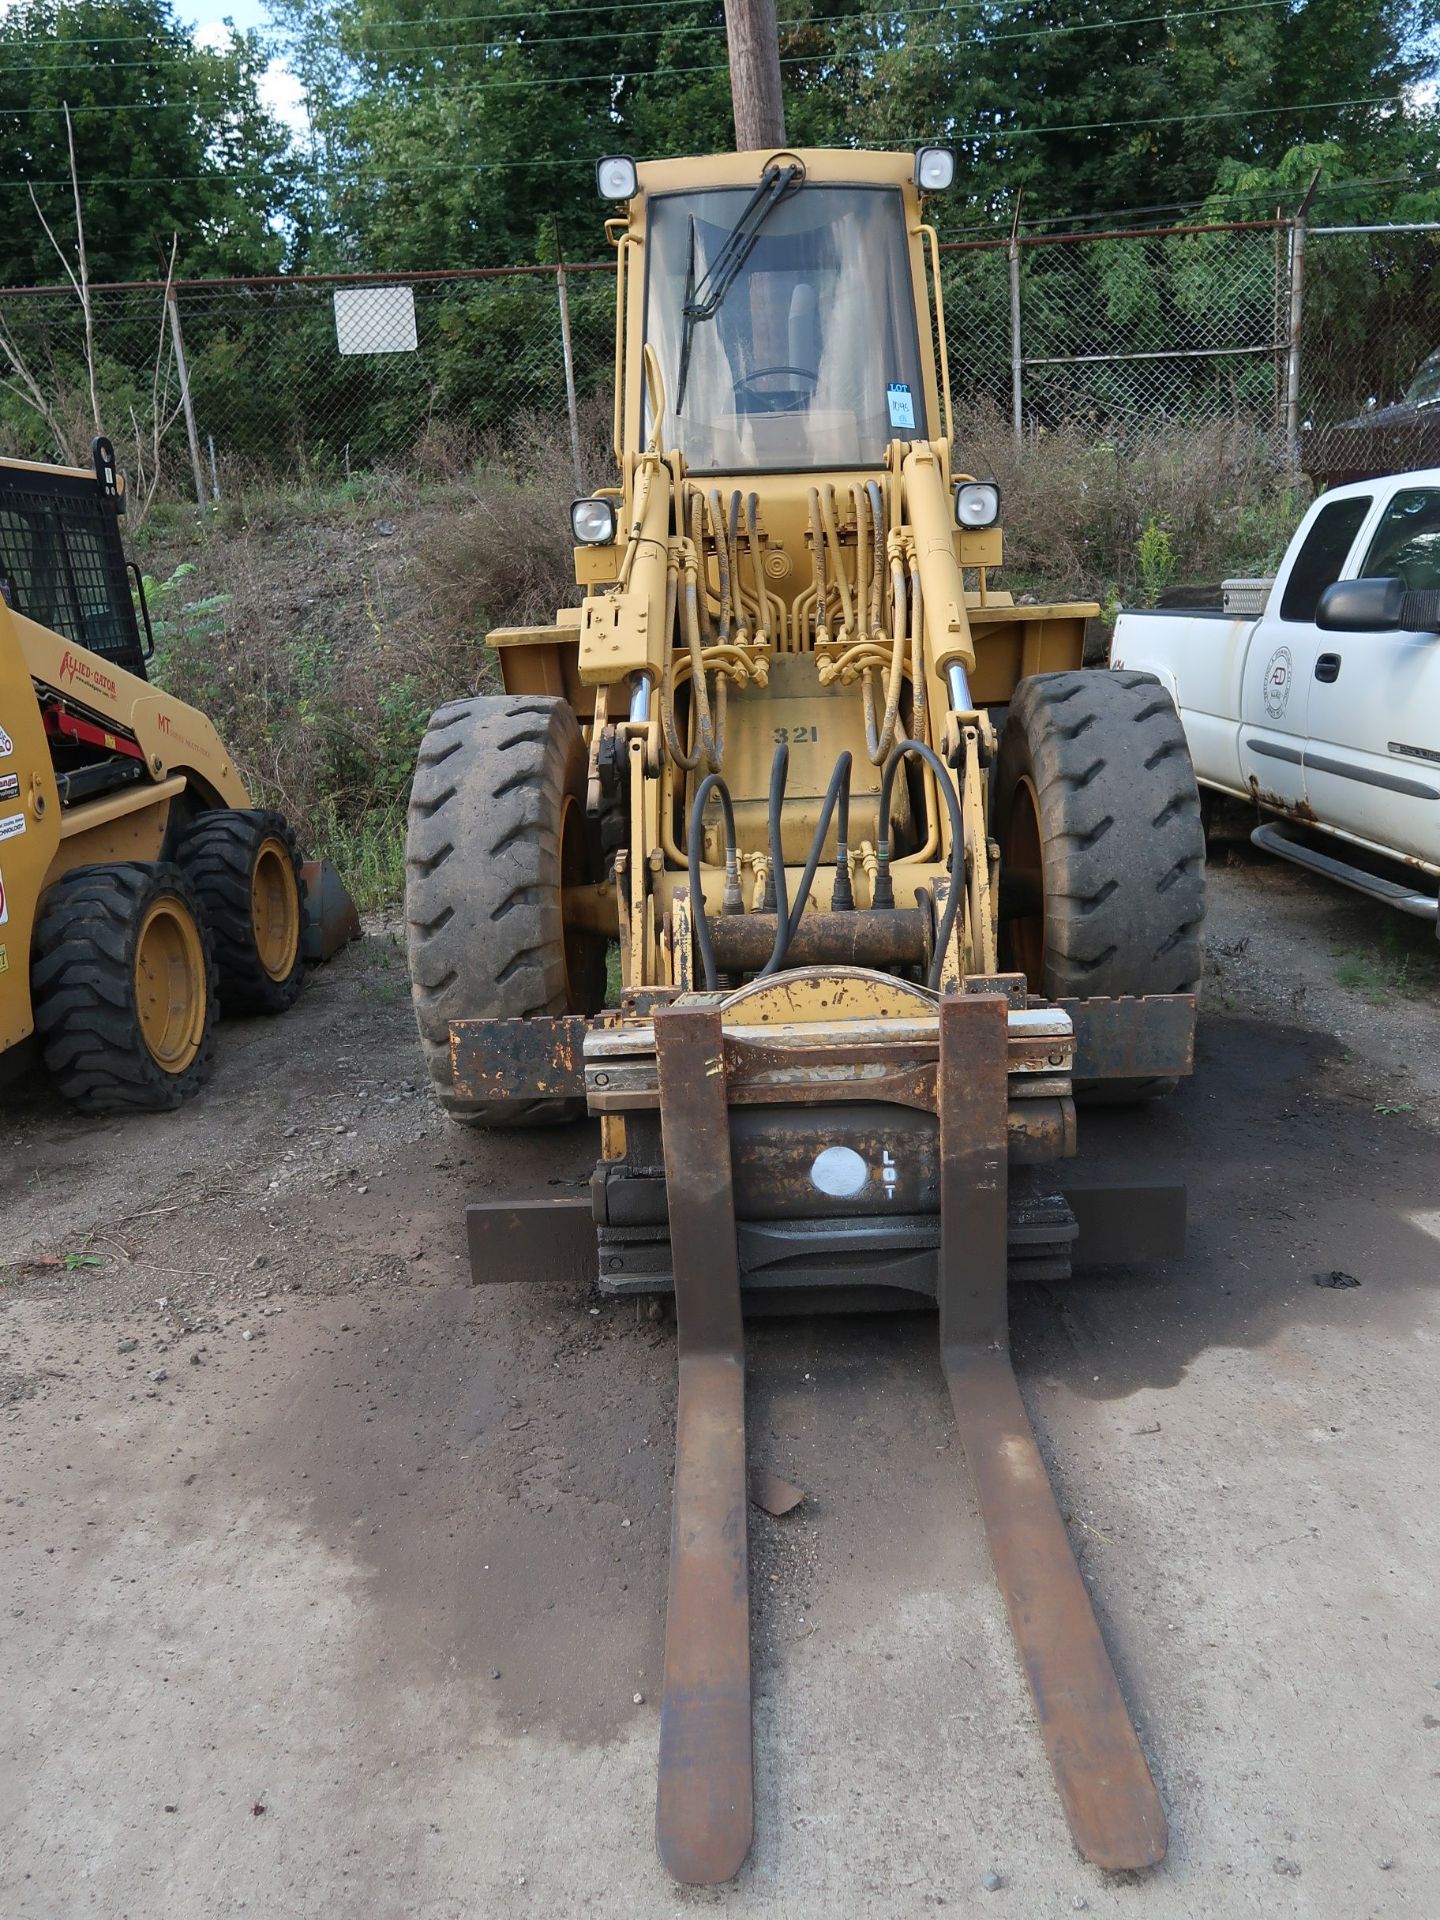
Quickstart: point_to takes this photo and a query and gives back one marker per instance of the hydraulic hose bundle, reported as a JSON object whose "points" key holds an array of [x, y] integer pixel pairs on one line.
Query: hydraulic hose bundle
{"points": [[837, 795]]}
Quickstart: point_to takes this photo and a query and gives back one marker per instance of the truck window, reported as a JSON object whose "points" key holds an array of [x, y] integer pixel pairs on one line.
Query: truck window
{"points": [[1407, 541], [1318, 563]]}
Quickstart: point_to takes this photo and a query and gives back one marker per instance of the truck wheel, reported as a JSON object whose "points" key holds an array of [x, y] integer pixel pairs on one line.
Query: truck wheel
{"points": [[245, 866], [1102, 851], [123, 987], [496, 832]]}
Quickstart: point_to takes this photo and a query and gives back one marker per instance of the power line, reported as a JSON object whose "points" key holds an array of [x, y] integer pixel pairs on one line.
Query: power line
{"points": [[461, 19], [359, 178], [577, 79], [518, 22]]}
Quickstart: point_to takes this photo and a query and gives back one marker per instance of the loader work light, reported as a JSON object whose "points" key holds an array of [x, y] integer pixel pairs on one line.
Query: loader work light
{"points": [[977, 503], [592, 522], [934, 169], [615, 176]]}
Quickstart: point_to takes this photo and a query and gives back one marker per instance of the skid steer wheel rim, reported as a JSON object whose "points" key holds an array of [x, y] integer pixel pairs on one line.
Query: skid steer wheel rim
{"points": [[1021, 855], [574, 872], [275, 909], [170, 985]]}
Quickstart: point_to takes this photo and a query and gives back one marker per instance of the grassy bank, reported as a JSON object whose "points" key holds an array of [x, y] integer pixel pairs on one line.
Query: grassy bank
{"points": [[319, 628]]}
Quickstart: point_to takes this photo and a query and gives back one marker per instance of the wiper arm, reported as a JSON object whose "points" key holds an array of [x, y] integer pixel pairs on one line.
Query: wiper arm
{"points": [[705, 301]]}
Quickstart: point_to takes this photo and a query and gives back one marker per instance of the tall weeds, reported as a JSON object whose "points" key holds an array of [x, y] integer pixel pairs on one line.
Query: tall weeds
{"points": [[318, 628]]}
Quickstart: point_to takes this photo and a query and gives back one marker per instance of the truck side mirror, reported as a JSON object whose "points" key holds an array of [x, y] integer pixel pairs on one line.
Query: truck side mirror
{"points": [[1362, 606]]}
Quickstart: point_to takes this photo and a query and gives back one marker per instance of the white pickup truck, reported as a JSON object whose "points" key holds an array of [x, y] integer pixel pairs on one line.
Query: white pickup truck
{"points": [[1317, 694]]}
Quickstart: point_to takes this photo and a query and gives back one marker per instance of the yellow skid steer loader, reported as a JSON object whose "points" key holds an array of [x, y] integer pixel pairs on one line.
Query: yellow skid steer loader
{"points": [[140, 891]]}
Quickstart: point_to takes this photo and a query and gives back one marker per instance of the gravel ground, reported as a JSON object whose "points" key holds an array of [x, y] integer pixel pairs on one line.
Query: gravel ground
{"points": [[329, 1584]]}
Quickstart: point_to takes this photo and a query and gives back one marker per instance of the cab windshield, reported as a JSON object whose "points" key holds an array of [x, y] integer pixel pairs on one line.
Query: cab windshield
{"points": [[811, 358]]}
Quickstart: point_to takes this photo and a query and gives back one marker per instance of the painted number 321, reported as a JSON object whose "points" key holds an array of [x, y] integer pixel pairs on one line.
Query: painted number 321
{"points": [[794, 736]]}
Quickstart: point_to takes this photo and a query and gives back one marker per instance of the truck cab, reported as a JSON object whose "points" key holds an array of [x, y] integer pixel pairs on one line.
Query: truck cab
{"points": [[1320, 700]]}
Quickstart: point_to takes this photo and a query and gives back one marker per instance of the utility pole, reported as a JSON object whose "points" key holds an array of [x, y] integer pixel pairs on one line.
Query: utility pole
{"points": [[755, 75]]}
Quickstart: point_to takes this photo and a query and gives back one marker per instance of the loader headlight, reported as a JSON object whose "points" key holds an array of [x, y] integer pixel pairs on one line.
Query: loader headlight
{"points": [[934, 169], [977, 503], [615, 177], [592, 522]]}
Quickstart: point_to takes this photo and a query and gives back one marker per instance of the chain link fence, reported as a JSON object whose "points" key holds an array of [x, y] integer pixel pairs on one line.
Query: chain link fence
{"points": [[300, 377]]}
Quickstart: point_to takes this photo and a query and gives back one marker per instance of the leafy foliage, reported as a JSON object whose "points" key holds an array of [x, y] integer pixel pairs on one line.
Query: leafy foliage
{"points": [[170, 138]]}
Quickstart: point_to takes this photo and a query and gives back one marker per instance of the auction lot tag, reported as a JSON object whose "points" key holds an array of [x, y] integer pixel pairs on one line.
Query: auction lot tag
{"points": [[902, 404], [7, 745]]}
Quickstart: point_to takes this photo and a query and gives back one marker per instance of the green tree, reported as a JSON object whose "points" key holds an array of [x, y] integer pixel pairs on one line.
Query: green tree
{"points": [[170, 139]]}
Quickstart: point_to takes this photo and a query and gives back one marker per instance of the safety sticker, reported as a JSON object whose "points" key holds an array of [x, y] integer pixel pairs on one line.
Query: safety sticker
{"points": [[7, 745], [4, 960], [12, 826], [4, 905], [9, 786], [902, 404]]}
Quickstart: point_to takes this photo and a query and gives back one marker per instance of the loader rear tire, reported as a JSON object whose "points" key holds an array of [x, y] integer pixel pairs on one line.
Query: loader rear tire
{"points": [[244, 863], [124, 988], [496, 831], [1102, 849]]}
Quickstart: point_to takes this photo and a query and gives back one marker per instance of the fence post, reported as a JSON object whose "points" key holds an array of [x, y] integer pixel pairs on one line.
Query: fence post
{"points": [[1016, 360], [567, 349], [1297, 316], [172, 308]]}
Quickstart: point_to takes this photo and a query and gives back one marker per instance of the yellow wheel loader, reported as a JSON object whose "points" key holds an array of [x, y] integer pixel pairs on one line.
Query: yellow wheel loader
{"points": [[140, 892], [893, 884]]}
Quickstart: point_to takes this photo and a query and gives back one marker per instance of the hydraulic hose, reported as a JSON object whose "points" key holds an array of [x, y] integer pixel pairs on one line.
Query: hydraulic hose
{"points": [[712, 783], [837, 791], [779, 767], [884, 886]]}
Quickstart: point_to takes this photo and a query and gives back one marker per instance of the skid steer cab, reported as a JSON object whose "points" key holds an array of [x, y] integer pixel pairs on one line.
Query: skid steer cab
{"points": [[889, 883], [140, 891]]}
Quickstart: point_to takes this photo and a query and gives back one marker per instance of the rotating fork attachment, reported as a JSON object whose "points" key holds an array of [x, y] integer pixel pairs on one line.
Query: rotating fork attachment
{"points": [[705, 1801]]}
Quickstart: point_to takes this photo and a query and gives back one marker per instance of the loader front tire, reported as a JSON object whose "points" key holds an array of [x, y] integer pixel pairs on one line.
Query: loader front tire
{"points": [[496, 832], [244, 864], [1102, 888], [124, 989]]}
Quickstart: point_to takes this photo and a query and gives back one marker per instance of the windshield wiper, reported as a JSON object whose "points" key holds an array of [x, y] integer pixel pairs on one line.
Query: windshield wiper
{"points": [[705, 301]]}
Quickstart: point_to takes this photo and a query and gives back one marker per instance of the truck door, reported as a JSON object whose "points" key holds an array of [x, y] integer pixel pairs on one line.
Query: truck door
{"points": [[1372, 756], [1284, 650]]}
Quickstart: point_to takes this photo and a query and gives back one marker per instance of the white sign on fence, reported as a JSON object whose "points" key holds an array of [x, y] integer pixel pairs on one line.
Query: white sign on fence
{"points": [[375, 320]]}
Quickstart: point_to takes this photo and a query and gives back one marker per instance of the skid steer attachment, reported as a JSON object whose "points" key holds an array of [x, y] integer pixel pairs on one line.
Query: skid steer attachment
{"points": [[891, 885]]}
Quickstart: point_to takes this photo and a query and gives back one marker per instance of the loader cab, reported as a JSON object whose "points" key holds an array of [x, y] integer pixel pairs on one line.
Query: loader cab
{"points": [[62, 563], [800, 348], [785, 296]]}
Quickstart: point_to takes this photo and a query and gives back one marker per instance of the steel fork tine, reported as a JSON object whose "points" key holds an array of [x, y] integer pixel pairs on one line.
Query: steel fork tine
{"points": [[704, 1811], [1105, 1786]]}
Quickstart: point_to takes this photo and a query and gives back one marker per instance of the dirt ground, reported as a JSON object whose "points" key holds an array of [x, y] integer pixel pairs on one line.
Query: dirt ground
{"points": [[332, 1586]]}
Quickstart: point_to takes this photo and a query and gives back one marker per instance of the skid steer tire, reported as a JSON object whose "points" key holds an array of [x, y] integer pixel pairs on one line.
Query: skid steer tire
{"points": [[1102, 849], [245, 866], [124, 988], [496, 830]]}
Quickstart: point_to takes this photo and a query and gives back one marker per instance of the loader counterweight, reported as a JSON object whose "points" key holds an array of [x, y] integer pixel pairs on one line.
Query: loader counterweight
{"points": [[888, 881]]}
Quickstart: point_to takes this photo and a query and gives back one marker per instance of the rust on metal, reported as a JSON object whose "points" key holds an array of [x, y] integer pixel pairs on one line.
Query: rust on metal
{"points": [[900, 937], [1104, 1784], [704, 1810], [1133, 1039], [519, 1059]]}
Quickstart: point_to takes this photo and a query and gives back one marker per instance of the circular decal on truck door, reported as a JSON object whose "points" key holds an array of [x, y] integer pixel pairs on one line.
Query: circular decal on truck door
{"points": [[1278, 675]]}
